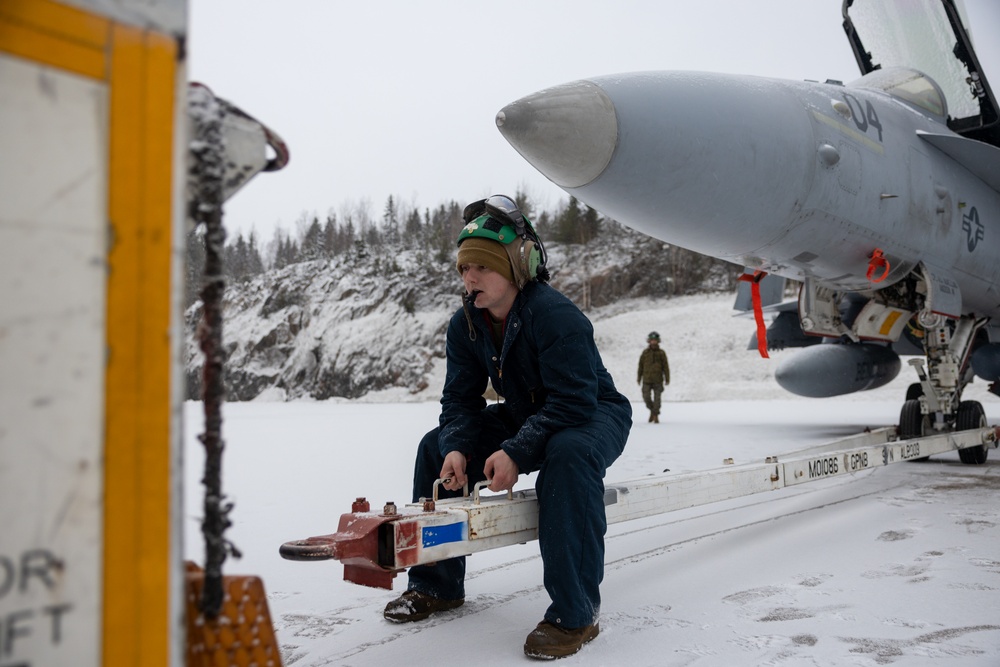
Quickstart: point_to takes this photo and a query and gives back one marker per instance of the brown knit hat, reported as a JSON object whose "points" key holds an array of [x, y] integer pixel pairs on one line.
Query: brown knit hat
{"points": [[485, 252]]}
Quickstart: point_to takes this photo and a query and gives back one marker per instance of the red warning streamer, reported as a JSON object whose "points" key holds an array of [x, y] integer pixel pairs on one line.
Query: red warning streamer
{"points": [[758, 313], [877, 261]]}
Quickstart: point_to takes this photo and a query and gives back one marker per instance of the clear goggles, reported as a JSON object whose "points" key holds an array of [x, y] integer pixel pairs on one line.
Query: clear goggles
{"points": [[501, 207]]}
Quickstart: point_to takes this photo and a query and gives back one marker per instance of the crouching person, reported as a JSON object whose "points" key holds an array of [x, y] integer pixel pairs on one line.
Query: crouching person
{"points": [[561, 416]]}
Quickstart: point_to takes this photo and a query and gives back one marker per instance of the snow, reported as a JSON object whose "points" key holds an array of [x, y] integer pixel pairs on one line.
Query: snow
{"points": [[897, 565]]}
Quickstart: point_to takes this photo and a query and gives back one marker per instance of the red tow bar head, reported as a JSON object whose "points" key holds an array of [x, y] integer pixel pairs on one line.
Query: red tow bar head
{"points": [[355, 544]]}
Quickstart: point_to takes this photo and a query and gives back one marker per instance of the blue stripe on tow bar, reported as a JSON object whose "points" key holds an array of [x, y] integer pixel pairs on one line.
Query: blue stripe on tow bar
{"points": [[434, 535]]}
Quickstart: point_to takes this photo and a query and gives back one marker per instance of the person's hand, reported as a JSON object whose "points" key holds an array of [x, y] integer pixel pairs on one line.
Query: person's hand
{"points": [[501, 470], [454, 471]]}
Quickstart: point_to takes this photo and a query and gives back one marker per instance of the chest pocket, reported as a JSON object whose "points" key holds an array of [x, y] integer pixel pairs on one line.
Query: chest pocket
{"points": [[523, 364]]}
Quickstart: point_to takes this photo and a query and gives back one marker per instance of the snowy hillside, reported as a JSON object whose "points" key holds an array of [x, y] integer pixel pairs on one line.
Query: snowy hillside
{"points": [[319, 329], [374, 319], [345, 332]]}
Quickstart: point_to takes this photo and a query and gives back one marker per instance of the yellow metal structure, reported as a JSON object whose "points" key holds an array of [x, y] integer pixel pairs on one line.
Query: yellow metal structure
{"points": [[127, 79]]}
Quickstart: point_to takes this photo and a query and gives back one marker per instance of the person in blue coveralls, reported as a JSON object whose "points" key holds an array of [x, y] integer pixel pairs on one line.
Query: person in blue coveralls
{"points": [[560, 415]]}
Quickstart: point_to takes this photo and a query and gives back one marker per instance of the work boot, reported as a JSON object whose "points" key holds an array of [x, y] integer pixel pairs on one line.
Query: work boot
{"points": [[652, 416], [656, 417], [548, 641], [416, 606]]}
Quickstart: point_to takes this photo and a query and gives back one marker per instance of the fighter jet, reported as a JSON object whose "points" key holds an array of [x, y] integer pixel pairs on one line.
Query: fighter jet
{"points": [[880, 196]]}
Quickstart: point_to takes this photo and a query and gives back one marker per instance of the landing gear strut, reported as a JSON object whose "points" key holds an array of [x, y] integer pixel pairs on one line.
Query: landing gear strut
{"points": [[935, 405]]}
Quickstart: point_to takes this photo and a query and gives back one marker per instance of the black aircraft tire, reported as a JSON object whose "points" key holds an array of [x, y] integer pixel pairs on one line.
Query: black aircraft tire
{"points": [[915, 390], [971, 415], [913, 424]]}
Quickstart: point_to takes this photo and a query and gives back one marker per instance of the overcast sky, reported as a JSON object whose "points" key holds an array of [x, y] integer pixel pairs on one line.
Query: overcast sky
{"points": [[388, 97]]}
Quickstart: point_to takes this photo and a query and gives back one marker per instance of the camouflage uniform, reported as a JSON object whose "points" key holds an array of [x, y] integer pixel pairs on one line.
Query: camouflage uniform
{"points": [[653, 374]]}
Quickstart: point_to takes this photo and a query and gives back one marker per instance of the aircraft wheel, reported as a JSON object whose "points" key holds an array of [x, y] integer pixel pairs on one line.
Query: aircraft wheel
{"points": [[915, 390], [913, 424], [971, 415]]}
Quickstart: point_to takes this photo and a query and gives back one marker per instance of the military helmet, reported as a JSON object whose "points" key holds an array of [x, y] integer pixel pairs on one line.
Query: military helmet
{"points": [[653, 336], [497, 218]]}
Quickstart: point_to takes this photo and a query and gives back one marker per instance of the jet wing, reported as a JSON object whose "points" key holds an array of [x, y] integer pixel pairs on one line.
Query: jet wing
{"points": [[979, 158]]}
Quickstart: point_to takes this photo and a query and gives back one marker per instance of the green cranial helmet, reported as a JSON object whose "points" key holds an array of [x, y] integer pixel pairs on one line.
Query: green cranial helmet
{"points": [[497, 218], [486, 227], [523, 253], [653, 336]]}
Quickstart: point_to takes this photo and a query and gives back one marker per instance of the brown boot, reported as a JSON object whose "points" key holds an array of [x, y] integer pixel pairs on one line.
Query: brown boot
{"points": [[652, 416], [656, 418], [416, 606], [548, 641]]}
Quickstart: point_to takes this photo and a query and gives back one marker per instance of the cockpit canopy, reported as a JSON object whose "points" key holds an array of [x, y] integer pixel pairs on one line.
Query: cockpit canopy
{"points": [[908, 85], [920, 51]]}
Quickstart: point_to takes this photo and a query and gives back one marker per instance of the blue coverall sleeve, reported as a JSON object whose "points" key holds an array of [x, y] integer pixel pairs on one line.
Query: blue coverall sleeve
{"points": [[462, 400]]}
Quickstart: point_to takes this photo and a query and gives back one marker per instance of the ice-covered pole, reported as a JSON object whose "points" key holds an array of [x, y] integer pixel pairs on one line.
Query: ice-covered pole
{"points": [[206, 186]]}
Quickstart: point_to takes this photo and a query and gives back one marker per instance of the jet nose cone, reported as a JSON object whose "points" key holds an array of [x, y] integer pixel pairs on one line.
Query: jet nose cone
{"points": [[568, 132]]}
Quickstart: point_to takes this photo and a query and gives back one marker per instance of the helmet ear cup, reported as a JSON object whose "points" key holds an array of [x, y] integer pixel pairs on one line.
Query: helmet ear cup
{"points": [[525, 258], [530, 257]]}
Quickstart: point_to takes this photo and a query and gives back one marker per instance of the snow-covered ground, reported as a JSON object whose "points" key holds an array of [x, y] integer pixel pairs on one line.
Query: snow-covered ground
{"points": [[706, 344], [898, 565]]}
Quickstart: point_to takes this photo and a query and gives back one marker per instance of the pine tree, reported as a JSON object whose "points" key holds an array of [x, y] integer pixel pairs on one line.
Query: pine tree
{"points": [[346, 237], [526, 205], [255, 264], [312, 242], [235, 258], [291, 251], [330, 236], [274, 248], [390, 222], [413, 230], [590, 225], [569, 222], [438, 234], [543, 226], [286, 251]]}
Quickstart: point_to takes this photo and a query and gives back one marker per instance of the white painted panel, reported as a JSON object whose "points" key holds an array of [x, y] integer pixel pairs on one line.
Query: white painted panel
{"points": [[53, 243], [166, 16]]}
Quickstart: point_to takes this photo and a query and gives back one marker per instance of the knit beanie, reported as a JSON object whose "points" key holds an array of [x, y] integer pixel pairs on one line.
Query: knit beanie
{"points": [[485, 252]]}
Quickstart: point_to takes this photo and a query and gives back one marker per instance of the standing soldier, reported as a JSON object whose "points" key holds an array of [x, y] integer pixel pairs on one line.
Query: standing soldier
{"points": [[654, 372]]}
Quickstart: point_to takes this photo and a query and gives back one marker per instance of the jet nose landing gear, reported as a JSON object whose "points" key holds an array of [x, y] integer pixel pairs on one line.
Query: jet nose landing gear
{"points": [[934, 405]]}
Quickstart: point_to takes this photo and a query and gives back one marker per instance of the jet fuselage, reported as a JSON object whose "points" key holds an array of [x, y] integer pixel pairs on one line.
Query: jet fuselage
{"points": [[800, 179]]}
